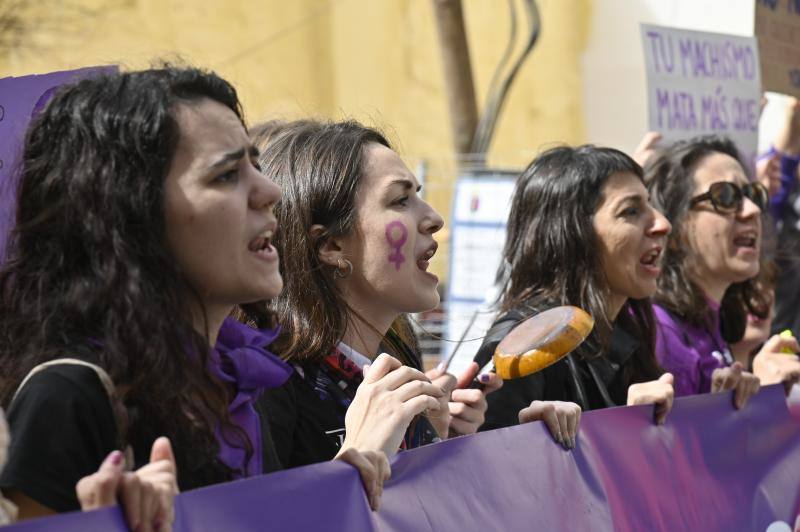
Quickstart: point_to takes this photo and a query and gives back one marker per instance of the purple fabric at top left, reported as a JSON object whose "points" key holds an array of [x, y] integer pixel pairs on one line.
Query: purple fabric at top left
{"points": [[241, 359], [19, 99]]}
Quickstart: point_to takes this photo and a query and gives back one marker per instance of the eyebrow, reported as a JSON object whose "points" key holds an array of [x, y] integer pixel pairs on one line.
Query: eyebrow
{"points": [[406, 184], [632, 197], [235, 156]]}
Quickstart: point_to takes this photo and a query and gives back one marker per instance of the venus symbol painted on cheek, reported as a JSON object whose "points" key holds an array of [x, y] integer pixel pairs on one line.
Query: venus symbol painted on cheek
{"points": [[396, 236]]}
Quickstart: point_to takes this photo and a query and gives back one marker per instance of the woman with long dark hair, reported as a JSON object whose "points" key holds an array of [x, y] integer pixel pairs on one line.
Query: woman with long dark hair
{"points": [[582, 232], [713, 256], [142, 221], [357, 240]]}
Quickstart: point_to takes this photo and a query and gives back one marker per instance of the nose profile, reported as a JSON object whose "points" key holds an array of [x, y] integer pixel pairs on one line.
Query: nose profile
{"points": [[432, 222], [749, 209], [660, 225], [264, 192]]}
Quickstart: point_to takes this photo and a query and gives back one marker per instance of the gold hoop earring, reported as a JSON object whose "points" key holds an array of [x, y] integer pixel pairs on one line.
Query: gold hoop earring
{"points": [[348, 267]]}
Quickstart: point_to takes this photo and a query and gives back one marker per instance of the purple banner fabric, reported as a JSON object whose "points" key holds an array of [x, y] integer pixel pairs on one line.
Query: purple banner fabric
{"points": [[19, 97], [709, 467]]}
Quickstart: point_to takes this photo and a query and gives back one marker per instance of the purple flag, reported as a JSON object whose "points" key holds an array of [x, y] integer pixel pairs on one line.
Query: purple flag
{"points": [[19, 98], [710, 467]]}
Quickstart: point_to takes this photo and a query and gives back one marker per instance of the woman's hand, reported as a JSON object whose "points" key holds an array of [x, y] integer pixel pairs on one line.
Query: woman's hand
{"points": [[561, 419], [744, 383], [147, 496], [647, 147], [374, 470], [768, 173], [385, 403], [659, 392], [468, 405], [773, 364], [463, 409], [441, 418]]}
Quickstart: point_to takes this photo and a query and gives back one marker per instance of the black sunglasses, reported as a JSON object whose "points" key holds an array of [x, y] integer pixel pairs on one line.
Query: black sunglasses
{"points": [[727, 197]]}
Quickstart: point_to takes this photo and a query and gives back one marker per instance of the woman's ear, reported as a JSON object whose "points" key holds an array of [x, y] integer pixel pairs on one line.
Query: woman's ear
{"points": [[330, 252]]}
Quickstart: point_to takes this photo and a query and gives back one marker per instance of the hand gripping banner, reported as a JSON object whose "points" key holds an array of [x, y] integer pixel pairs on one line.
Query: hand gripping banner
{"points": [[710, 467]]}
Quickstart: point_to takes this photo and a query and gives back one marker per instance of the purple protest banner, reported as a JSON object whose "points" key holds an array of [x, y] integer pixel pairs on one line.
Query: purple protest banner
{"points": [[19, 97], [710, 467]]}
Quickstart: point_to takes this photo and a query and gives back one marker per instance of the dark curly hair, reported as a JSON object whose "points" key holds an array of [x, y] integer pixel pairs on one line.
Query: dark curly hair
{"points": [[670, 180], [551, 254], [89, 273]]}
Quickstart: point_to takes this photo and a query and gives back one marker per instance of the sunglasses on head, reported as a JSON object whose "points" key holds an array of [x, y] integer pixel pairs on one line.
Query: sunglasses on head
{"points": [[727, 197]]}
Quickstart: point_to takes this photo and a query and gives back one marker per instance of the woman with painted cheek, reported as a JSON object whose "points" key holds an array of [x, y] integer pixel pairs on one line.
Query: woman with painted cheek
{"points": [[708, 284], [357, 241], [581, 232], [142, 221]]}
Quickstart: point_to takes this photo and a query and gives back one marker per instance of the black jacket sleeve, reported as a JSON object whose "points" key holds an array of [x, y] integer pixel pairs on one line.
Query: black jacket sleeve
{"points": [[305, 428], [62, 428], [277, 409]]}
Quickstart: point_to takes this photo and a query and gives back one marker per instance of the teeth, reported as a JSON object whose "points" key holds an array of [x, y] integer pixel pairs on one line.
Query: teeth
{"points": [[428, 254], [262, 241], [651, 257]]}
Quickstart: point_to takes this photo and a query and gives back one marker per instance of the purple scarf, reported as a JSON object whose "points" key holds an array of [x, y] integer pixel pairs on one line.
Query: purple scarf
{"points": [[240, 359]]}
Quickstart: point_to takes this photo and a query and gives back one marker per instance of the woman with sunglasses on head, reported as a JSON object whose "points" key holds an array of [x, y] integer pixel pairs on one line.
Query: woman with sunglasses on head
{"points": [[707, 287], [582, 232], [357, 238], [142, 222]]}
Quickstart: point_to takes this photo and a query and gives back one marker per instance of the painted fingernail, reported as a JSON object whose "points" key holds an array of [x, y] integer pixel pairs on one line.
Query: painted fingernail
{"points": [[485, 378], [116, 457], [441, 366]]}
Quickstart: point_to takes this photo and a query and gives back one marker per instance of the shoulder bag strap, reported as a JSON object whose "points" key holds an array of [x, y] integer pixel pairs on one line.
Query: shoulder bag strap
{"points": [[117, 408]]}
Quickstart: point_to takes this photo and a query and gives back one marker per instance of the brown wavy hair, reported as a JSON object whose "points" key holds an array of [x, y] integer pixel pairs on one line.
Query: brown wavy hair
{"points": [[89, 273], [319, 167], [670, 179]]}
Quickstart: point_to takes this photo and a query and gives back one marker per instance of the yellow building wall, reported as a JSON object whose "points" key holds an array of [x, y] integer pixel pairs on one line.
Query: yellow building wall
{"points": [[374, 60]]}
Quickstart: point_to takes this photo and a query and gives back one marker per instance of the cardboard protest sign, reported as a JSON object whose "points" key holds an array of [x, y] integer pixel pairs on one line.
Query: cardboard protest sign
{"points": [[19, 98], [777, 28], [702, 83]]}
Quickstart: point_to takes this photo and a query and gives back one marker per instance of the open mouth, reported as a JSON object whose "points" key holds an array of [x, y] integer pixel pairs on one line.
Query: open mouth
{"points": [[424, 261], [651, 257], [262, 244], [746, 241]]}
